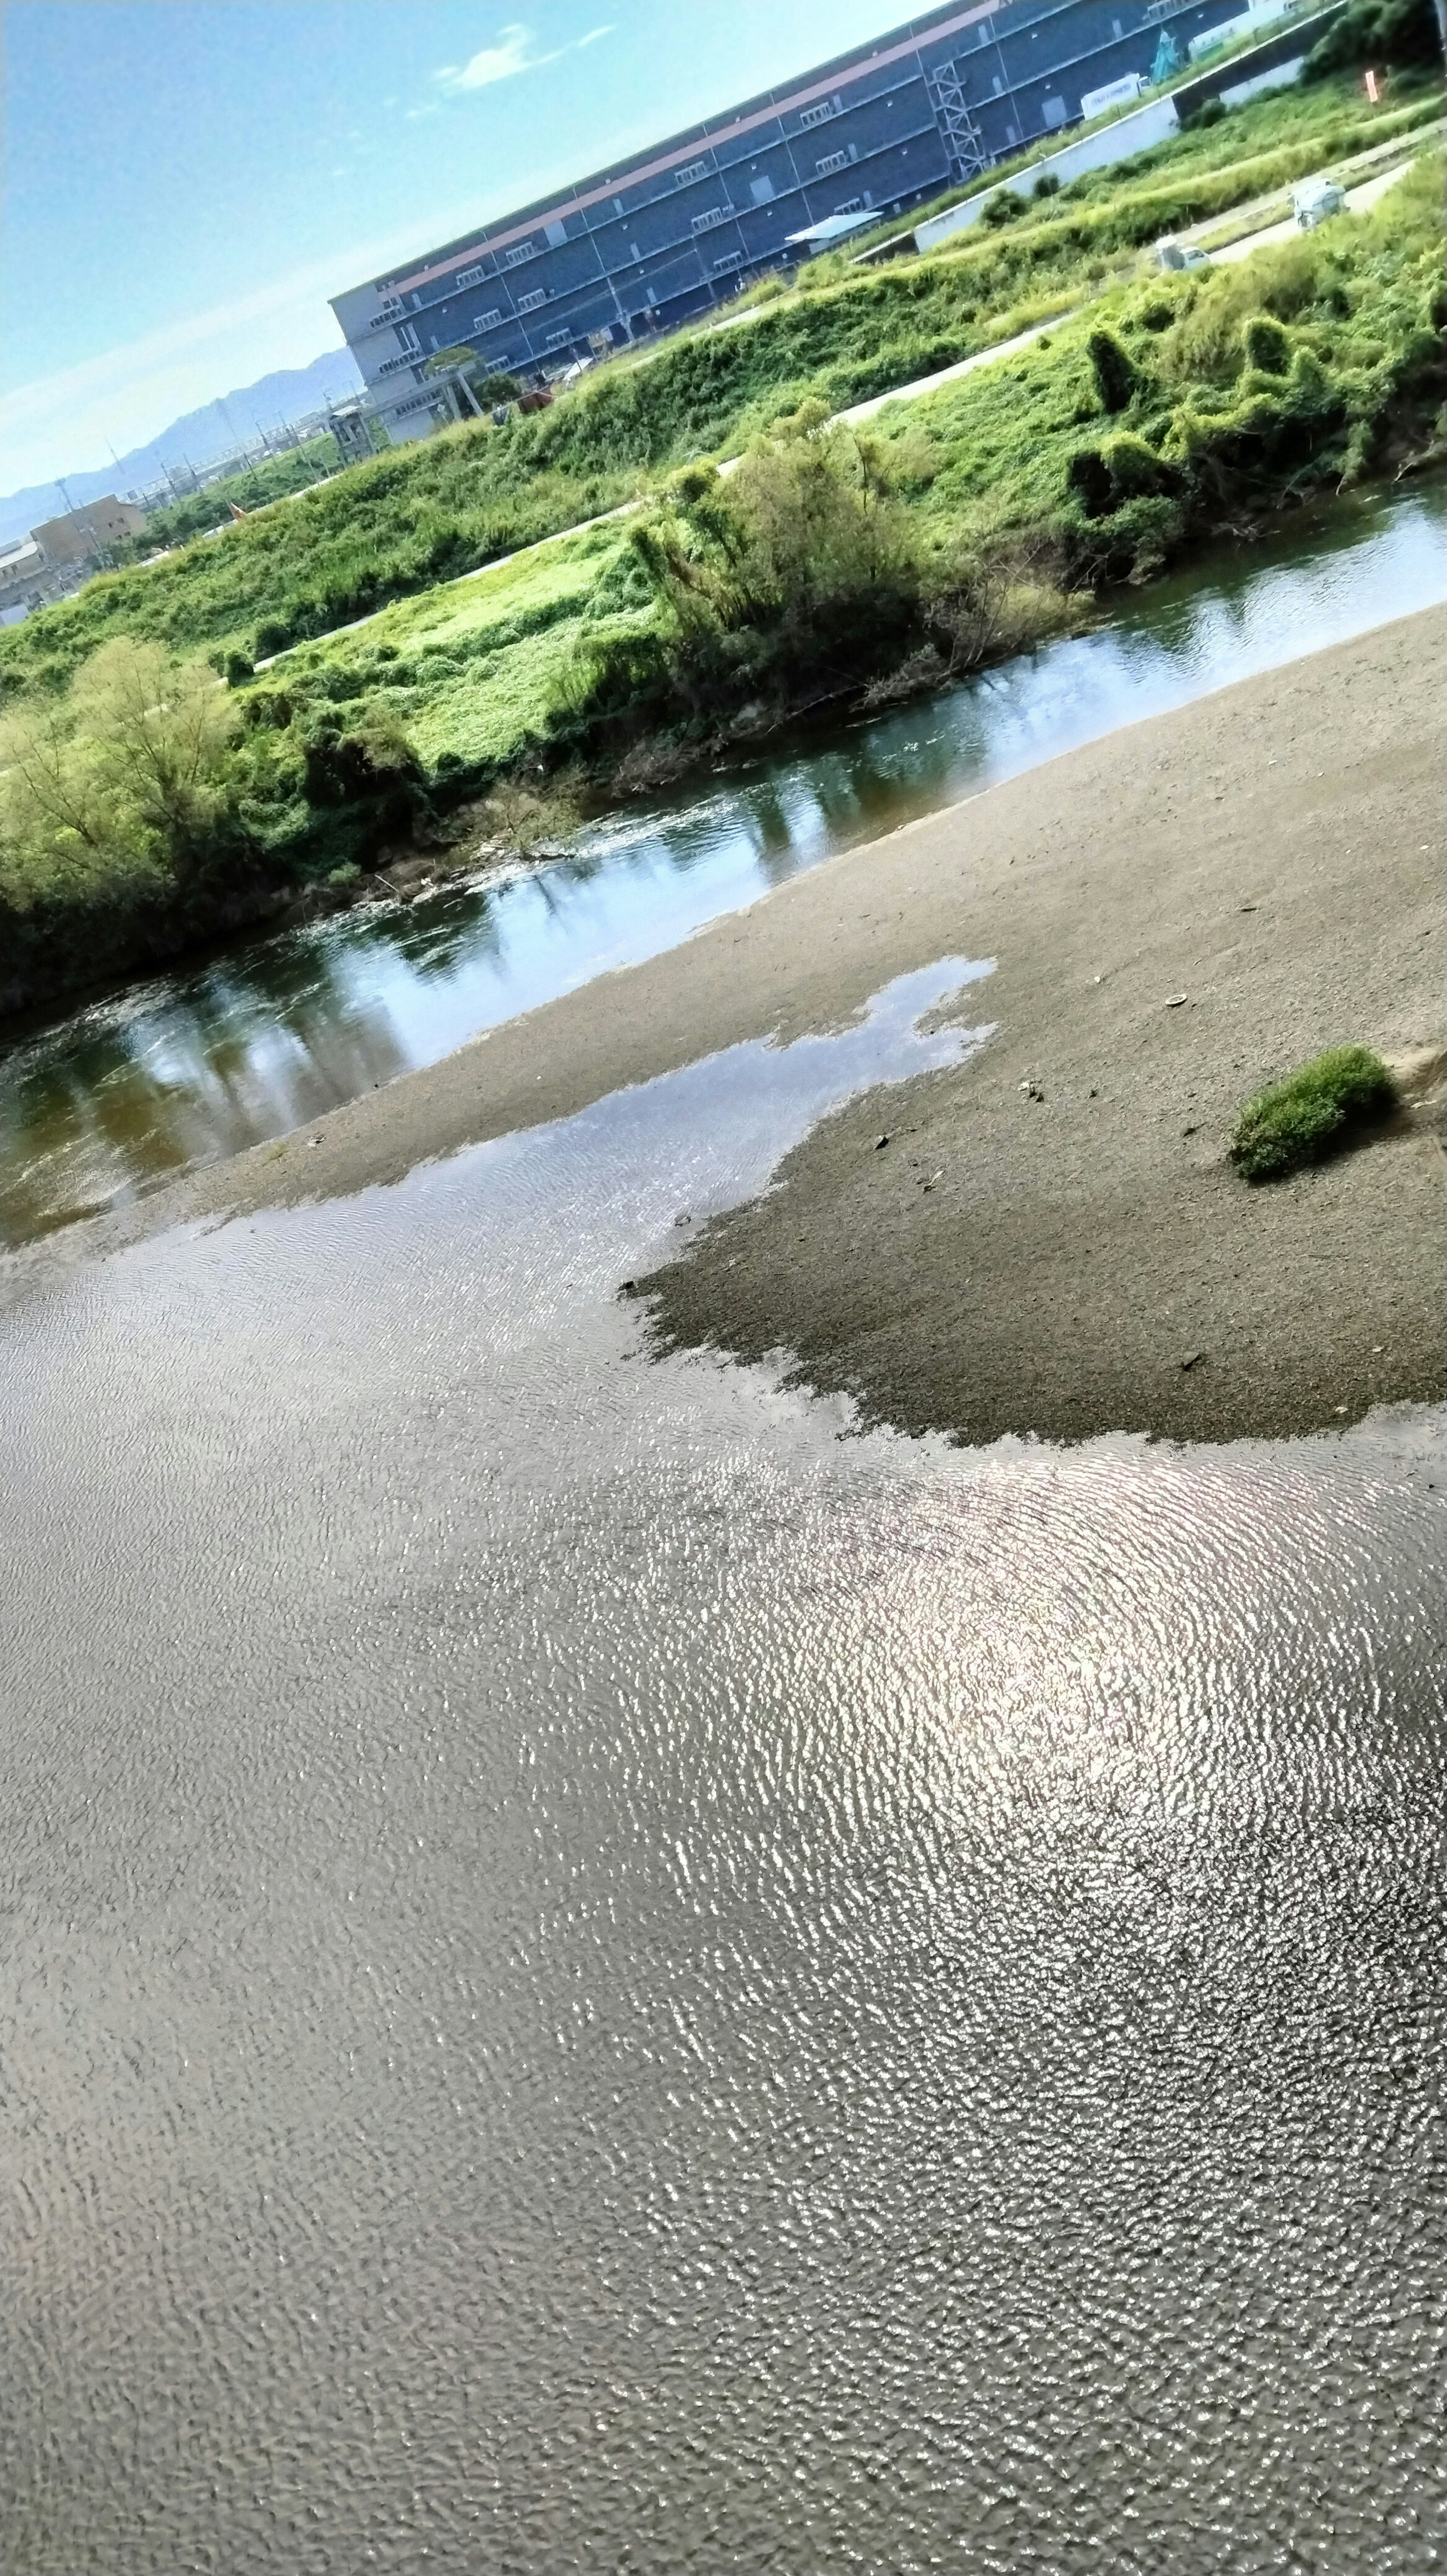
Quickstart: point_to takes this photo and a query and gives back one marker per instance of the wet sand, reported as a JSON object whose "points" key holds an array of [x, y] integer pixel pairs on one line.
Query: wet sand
{"points": [[1049, 1259]]}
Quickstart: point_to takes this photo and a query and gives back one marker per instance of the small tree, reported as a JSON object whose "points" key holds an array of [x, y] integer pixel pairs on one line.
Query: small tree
{"points": [[125, 775]]}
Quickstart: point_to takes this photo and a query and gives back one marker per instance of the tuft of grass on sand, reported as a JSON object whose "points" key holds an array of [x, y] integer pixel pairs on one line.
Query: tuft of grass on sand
{"points": [[1311, 1113]]}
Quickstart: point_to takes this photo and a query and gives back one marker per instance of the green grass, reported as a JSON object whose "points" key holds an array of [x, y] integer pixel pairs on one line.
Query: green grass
{"points": [[1313, 364], [404, 522], [1330, 117], [1313, 1112], [470, 670], [274, 478]]}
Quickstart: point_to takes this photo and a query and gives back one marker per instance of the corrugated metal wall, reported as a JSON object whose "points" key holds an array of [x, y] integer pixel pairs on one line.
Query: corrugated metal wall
{"points": [[667, 234]]}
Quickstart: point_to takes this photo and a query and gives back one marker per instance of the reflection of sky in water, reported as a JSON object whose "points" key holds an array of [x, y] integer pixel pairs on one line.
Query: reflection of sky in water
{"points": [[192, 1068]]}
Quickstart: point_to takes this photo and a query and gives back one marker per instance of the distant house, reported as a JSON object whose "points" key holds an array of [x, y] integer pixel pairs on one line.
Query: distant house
{"points": [[83, 536], [22, 576]]}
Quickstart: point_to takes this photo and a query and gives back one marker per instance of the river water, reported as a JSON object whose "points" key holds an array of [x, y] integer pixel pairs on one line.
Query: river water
{"points": [[601, 1972], [191, 1068]]}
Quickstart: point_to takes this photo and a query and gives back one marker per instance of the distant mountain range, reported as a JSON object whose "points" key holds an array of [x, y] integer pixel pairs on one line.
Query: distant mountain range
{"points": [[199, 438]]}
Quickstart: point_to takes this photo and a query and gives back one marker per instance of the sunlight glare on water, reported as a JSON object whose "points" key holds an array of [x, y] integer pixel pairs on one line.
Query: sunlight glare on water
{"points": [[600, 1976]]}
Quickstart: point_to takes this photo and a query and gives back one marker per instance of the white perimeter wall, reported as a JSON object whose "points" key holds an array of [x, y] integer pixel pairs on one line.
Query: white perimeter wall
{"points": [[1134, 133]]}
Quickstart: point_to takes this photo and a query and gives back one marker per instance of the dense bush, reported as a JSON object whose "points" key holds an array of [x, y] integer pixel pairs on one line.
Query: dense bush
{"points": [[1314, 1111], [149, 806], [1265, 345], [1115, 377], [1381, 32], [796, 576]]}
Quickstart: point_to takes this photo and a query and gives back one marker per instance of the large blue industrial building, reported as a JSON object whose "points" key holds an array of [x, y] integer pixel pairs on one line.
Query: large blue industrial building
{"points": [[660, 237]]}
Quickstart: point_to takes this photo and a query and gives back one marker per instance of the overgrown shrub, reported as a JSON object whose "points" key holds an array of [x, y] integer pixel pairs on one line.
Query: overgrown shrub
{"points": [[1206, 339], [1311, 1113], [1265, 346], [1114, 373], [122, 779], [1378, 31], [792, 577]]}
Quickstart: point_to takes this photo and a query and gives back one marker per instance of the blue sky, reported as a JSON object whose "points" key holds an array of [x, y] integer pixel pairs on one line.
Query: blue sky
{"points": [[186, 181]]}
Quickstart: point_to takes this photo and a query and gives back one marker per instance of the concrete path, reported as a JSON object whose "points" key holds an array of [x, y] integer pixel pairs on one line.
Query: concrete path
{"points": [[1359, 201]]}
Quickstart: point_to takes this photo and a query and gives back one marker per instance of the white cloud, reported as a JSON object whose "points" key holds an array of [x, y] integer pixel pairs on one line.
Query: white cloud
{"points": [[503, 61], [511, 54]]}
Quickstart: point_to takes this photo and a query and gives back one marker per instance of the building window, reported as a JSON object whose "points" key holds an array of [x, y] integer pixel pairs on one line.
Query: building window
{"points": [[487, 321], [710, 222], [560, 339], [555, 234], [470, 276], [831, 162], [520, 251], [1052, 112], [730, 259], [851, 206], [695, 170], [761, 190], [530, 303], [407, 338], [819, 115]]}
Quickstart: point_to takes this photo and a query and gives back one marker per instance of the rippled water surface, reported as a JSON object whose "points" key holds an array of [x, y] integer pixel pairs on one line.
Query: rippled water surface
{"points": [[597, 1976], [190, 1068]]}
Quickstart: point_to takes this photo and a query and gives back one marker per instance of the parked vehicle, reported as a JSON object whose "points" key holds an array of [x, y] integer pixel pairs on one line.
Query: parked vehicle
{"points": [[1176, 255], [1312, 200]]}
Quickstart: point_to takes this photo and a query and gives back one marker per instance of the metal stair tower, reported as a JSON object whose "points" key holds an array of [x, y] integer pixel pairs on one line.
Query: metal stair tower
{"points": [[946, 90]]}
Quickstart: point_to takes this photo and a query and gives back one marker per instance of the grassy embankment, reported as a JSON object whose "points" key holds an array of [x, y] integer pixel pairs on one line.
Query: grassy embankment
{"points": [[1164, 409], [425, 514], [271, 478]]}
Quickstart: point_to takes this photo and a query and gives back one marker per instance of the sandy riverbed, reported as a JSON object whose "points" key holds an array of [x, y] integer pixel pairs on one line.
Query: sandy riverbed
{"points": [[1274, 853]]}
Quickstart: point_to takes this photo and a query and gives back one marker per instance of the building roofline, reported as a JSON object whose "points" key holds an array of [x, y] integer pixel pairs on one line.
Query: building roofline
{"points": [[890, 46]]}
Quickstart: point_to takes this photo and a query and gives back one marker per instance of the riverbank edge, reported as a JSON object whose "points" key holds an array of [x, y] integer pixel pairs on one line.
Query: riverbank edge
{"points": [[161, 927], [1274, 850]]}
